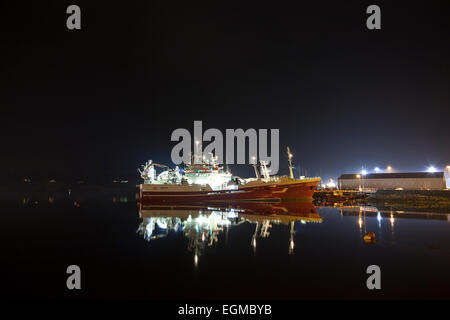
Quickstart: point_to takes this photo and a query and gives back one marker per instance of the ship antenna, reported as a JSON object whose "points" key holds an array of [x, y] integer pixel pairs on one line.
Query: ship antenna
{"points": [[291, 167], [255, 165], [264, 169]]}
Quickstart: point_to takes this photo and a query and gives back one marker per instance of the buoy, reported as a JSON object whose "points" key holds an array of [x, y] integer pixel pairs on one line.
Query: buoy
{"points": [[370, 237]]}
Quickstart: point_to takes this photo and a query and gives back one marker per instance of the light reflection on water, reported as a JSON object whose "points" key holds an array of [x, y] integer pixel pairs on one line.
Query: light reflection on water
{"points": [[260, 250], [202, 225]]}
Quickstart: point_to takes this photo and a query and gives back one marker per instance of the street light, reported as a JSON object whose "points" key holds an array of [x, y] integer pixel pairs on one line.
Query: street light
{"points": [[377, 169], [431, 169], [389, 168], [359, 177], [448, 169]]}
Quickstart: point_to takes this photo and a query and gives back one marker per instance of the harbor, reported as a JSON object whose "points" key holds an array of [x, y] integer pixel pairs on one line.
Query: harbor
{"points": [[212, 250], [185, 225], [216, 159]]}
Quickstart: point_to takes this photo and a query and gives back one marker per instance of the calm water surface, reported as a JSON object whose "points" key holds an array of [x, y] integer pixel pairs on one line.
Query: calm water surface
{"points": [[281, 251]]}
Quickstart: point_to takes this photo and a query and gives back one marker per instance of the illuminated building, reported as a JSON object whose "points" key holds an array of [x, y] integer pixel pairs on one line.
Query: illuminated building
{"points": [[393, 181]]}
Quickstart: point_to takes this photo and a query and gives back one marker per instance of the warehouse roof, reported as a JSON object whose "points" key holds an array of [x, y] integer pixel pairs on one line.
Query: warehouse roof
{"points": [[399, 175]]}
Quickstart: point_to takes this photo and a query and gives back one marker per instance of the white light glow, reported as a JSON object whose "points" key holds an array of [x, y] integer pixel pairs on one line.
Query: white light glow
{"points": [[431, 169], [331, 184], [377, 169], [162, 224], [364, 172]]}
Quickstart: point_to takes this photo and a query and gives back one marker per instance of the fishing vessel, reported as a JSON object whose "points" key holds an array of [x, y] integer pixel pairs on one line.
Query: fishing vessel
{"points": [[207, 181]]}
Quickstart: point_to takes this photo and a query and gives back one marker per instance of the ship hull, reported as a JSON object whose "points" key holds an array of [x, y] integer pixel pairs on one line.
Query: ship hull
{"points": [[293, 189]]}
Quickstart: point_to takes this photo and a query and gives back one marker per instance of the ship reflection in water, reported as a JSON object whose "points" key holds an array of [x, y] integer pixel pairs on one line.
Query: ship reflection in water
{"points": [[247, 250], [202, 225]]}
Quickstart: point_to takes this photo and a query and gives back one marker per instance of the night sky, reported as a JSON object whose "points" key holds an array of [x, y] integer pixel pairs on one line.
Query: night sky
{"points": [[100, 101]]}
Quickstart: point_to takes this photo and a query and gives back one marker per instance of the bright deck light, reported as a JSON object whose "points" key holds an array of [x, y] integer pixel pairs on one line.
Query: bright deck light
{"points": [[364, 172], [377, 169]]}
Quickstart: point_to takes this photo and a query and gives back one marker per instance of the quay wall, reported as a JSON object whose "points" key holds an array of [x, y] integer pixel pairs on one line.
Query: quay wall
{"points": [[419, 198]]}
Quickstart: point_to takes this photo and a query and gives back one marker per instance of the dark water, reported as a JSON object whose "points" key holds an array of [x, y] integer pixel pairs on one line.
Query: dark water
{"points": [[281, 251]]}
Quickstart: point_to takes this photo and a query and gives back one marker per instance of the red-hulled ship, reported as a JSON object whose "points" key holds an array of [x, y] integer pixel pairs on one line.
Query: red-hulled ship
{"points": [[208, 182]]}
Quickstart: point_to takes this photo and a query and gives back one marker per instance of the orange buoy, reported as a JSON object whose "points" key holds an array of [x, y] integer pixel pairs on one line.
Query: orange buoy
{"points": [[370, 237]]}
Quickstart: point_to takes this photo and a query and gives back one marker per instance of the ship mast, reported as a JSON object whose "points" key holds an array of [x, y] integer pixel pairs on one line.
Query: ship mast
{"points": [[255, 166], [291, 167], [264, 170]]}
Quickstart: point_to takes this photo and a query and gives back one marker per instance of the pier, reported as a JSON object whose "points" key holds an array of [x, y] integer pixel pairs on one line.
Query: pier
{"points": [[327, 195], [437, 199]]}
